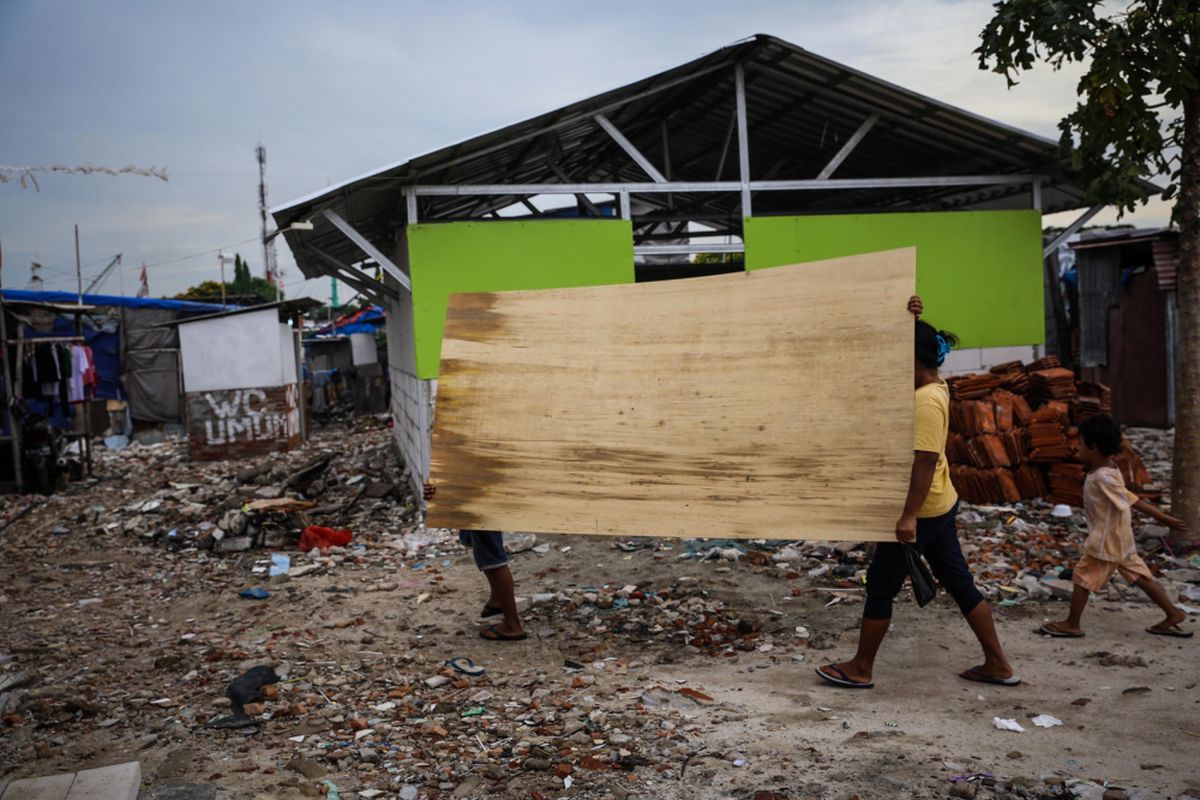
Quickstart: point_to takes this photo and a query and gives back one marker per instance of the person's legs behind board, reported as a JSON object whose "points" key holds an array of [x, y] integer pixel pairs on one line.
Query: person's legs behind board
{"points": [[492, 560]]}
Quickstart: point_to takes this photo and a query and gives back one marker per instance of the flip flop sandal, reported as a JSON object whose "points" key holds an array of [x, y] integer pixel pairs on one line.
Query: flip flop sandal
{"points": [[493, 634], [489, 611], [1045, 630], [1174, 630], [976, 674], [465, 665], [842, 679], [233, 722]]}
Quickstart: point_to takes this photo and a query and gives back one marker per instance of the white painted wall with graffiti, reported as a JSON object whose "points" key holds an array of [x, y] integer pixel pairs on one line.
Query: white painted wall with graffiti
{"points": [[241, 384]]}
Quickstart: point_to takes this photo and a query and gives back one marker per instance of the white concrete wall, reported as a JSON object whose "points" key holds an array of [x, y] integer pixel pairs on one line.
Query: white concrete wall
{"points": [[362, 346], [960, 362], [236, 352], [412, 398]]}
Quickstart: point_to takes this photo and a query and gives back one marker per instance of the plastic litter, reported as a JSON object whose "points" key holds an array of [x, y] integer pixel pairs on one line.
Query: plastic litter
{"points": [[1046, 721], [1007, 725], [315, 536], [254, 593], [281, 564]]}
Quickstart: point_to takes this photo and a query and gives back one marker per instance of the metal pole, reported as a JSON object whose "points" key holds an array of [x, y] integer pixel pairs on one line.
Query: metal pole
{"points": [[743, 132], [15, 432], [78, 272], [221, 259]]}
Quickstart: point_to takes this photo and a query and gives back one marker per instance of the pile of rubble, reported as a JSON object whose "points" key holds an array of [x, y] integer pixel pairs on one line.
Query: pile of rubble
{"points": [[1013, 434]]}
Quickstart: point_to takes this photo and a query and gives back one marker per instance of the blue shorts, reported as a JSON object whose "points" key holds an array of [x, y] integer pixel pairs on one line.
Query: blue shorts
{"points": [[487, 547]]}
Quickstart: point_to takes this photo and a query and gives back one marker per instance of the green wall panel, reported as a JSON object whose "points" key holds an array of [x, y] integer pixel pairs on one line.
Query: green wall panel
{"points": [[978, 272], [458, 257]]}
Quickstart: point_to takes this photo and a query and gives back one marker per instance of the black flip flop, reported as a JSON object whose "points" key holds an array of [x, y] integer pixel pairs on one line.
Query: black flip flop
{"points": [[842, 680], [976, 675], [1174, 630], [498, 636], [1059, 634]]}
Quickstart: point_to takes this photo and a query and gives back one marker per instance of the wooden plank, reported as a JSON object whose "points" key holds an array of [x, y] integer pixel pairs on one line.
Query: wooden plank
{"points": [[771, 404]]}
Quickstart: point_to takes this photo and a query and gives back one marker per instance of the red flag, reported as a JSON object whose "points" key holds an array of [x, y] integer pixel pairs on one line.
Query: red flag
{"points": [[144, 290]]}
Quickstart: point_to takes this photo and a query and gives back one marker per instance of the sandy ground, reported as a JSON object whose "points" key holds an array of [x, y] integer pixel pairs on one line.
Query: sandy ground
{"points": [[794, 736]]}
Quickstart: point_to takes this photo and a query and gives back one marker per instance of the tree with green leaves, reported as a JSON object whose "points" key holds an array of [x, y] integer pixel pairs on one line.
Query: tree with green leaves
{"points": [[243, 285], [242, 281], [1137, 117]]}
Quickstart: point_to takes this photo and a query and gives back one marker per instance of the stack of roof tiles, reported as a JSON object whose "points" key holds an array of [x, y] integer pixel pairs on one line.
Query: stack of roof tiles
{"points": [[1013, 434]]}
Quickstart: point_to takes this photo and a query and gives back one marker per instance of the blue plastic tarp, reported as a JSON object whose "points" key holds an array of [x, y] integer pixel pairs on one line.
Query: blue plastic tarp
{"points": [[28, 296]]}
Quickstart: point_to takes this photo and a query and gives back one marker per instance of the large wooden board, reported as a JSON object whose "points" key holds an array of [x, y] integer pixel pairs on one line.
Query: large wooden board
{"points": [[771, 404]]}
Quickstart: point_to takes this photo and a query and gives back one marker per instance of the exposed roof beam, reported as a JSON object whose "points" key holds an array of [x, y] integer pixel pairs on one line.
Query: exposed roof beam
{"points": [[628, 147], [720, 186], [580, 197], [848, 147], [743, 136], [684, 249], [363, 283], [368, 248], [1071, 230]]}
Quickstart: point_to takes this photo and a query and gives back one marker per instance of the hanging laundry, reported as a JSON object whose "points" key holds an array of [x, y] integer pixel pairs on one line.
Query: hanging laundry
{"points": [[76, 392]]}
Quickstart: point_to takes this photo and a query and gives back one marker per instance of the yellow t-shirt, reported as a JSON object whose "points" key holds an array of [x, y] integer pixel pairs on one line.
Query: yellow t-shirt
{"points": [[931, 425]]}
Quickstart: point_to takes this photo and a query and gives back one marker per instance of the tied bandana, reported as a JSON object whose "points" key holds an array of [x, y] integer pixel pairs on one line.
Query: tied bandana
{"points": [[943, 349]]}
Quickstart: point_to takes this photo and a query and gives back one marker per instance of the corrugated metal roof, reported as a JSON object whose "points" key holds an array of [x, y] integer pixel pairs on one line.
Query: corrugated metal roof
{"points": [[1166, 261], [801, 108]]}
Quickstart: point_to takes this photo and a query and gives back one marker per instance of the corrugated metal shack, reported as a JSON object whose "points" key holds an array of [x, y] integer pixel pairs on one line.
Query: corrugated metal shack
{"points": [[1127, 320]]}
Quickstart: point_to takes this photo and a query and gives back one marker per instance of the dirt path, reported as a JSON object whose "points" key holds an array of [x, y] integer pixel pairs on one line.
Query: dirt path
{"points": [[594, 697]]}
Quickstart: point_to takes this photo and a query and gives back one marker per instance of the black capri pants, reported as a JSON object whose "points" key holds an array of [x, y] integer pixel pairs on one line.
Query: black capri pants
{"points": [[937, 540]]}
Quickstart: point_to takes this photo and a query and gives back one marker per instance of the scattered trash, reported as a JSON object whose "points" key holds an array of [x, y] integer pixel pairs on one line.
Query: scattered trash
{"points": [[254, 593], [1007, 725], [281, 563], [315, 537]]}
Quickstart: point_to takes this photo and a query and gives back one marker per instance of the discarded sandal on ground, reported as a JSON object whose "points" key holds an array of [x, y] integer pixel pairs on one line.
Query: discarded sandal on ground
{"points": [[1173, 630], [977, 675], [493, 634], [1052, 629], [840, 678], [465, 665]]}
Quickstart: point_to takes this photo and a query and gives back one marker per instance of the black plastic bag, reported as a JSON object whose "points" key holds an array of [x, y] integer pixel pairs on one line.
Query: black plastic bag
{"points": [[923, 586]]}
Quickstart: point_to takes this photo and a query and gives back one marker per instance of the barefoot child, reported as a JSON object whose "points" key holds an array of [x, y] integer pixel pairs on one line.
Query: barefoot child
{"points": [[1109, 546]]}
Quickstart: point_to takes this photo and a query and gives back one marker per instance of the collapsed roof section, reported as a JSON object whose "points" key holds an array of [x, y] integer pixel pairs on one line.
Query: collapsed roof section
{"points": [[760, 127]]}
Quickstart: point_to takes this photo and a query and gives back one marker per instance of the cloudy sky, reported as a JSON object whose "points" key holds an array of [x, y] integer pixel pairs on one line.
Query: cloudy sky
{"points": [[334, 90]]}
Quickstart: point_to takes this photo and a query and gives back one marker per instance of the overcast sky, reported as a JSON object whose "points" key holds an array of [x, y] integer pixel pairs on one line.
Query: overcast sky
{"points": [[334, 90]]}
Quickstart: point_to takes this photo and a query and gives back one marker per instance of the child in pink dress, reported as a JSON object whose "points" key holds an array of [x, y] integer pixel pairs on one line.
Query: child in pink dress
{"points": [[1109, 546]]}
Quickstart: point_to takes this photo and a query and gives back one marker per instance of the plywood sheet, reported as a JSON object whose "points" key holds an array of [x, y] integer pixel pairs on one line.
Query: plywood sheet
{"points": [[770, 404]]}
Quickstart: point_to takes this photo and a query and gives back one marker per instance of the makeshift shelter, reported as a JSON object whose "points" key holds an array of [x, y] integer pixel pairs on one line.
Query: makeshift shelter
{"points": [[757, 155], [1127, 320], [241, 379], [135, 362]]}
